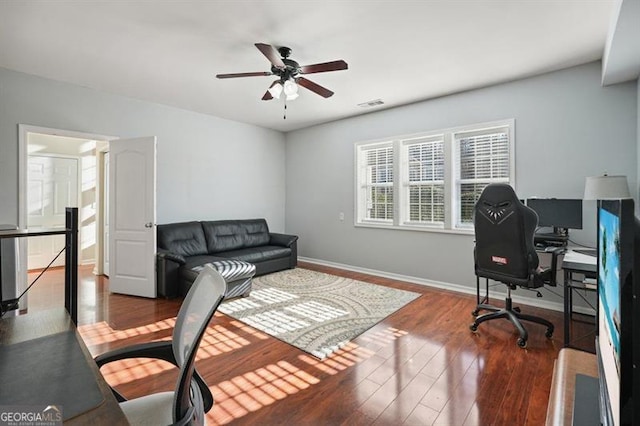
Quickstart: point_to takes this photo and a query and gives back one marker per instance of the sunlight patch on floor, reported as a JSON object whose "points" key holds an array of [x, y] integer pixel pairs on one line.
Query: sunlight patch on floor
{"points": [[216, 341], [241, 395], [248, 393], [101, 332]]}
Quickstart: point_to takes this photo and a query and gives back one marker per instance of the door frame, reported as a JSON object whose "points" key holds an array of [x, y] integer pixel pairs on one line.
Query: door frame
{"points": [[101, 198], [23, 154]]}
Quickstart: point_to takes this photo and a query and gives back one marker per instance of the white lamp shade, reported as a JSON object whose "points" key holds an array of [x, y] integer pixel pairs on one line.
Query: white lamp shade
{"points": [[290, 88], [276, 90], [606, 188]]}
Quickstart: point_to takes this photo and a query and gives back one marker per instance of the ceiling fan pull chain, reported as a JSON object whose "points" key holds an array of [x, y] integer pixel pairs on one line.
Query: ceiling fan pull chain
{"points": [[285, 109]]}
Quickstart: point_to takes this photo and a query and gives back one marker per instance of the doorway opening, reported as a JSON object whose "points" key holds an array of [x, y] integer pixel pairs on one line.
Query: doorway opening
{"points": [[58, 169]]}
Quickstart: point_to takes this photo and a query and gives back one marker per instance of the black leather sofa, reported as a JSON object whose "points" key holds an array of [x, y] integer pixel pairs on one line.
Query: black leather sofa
{"points": [[183, 246]]}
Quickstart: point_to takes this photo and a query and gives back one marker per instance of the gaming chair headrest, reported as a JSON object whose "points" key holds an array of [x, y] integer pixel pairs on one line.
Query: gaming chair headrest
{"points": [[496, 193], [497, 202]]}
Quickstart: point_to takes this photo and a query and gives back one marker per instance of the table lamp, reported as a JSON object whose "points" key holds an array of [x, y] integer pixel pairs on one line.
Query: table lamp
{"points": [[606, 187]]}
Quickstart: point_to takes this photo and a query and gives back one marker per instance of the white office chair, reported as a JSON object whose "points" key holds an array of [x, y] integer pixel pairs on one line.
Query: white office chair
{"points": [[191, 399]]}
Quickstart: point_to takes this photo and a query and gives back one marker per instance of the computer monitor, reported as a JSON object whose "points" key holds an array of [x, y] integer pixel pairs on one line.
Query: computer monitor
{"points": [[557, 213]]}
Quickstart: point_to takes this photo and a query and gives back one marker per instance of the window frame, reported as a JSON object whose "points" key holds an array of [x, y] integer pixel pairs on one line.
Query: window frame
{"points": [[452, 180], [471, 131], [362, 183], [405, 183]]}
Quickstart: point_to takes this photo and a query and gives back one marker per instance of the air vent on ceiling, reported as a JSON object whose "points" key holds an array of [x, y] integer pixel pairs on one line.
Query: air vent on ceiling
{"points": [[372, 103]]}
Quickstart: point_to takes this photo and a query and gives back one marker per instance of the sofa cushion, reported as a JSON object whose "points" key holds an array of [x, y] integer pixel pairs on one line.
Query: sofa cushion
{"points": [[260, 254], [185, 238], [225, 235], [257, 233]]}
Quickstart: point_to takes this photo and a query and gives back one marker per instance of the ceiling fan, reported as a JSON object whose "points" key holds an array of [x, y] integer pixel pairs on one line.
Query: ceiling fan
{"points": [[289, 73]]}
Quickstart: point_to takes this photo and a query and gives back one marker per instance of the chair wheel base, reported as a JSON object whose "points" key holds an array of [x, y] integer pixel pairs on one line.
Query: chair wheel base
{"points": [[473, 327], [522, 343], [549, 333], [475, 313]]}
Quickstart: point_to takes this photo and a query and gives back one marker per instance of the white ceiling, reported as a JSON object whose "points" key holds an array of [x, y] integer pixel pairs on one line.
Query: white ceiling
{"points": [[399, 51]]}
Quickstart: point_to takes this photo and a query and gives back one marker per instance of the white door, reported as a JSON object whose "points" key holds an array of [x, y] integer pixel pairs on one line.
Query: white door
{"points": [[132, 216], [105, 215], [52, 186]]}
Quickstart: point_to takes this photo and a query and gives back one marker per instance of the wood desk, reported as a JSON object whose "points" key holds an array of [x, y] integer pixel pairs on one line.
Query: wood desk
{"points": [[563, 386], [23, 328]]}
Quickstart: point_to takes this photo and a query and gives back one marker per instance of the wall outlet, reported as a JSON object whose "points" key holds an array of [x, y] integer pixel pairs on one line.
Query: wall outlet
{"points": [[341, 216]]}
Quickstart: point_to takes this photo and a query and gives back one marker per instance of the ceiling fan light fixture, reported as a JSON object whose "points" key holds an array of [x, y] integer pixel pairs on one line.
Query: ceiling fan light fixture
{"points": [[276, 90], [292, 96]]}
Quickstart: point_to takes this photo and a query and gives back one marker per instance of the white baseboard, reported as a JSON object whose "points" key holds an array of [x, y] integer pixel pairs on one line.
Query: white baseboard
{"points": [[554, 306]]}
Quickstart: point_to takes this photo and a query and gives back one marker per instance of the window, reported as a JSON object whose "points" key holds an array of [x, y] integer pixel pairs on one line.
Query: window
{"points": [[431, 180], [425, 180], [377, 183], [483, 158]]}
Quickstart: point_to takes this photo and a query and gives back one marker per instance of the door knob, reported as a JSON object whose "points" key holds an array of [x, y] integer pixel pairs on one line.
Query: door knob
{"points": [[148, 225]]}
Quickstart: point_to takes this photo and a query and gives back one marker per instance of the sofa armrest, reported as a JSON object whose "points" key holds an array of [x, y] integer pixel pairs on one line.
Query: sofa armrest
{"points": [[286, 240], [167, 266], [282, 239], [166, 254]]}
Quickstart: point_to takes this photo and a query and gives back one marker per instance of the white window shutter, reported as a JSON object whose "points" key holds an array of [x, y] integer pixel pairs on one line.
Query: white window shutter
{"points": [[483, 158]]}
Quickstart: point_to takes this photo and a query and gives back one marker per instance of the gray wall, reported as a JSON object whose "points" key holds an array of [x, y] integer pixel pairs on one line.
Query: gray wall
{"points": [[208, 167], [567, 127]]}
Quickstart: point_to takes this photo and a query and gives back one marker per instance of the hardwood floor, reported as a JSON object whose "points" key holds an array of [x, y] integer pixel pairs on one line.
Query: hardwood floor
{"points": [[420, 366]]}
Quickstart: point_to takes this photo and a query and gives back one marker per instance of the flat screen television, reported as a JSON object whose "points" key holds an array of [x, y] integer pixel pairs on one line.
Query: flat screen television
{"points": [[618, 340]]}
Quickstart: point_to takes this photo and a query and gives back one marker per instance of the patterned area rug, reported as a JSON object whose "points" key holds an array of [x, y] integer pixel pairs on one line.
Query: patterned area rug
{"points": [[313, 311]]}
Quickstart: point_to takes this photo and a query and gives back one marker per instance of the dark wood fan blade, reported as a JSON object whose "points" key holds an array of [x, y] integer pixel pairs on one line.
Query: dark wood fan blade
{"points": [[314, 87], [272, 55], [244, 74], [267, 95], [324, 67]]}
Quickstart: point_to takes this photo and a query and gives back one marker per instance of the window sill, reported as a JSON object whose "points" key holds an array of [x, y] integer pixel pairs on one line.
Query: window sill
{"points": [[457, 231]]}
